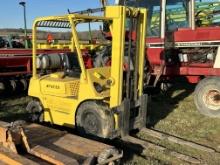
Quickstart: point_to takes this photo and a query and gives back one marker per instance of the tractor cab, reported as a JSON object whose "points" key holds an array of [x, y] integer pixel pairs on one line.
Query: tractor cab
{"points": [[182, 38], [170, 15]]}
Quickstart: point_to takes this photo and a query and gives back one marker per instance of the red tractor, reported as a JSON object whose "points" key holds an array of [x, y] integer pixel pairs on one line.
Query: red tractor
{"points": [[183, 39]]}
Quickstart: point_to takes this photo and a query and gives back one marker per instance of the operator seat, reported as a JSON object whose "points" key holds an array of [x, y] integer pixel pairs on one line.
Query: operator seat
{"points": [[71, 65]]}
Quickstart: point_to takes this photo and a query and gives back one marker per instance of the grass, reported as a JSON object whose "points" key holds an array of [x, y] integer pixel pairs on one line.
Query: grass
{"points": [[181, 118], [13, 108], [173, 112]]}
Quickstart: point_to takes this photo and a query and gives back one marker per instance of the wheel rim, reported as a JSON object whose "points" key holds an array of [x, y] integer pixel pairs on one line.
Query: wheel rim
{"points": [[212, 99], [35, 114], [91, 123]]}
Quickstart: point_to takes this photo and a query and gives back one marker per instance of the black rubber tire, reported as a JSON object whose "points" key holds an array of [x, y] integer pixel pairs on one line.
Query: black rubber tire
{"points": [[35, 110], [94, 119], [202, 97]]}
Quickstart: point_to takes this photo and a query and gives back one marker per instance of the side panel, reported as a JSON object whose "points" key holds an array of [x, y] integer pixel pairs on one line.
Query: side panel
{"points": [[155, 56], [199, 34], [59, 110]]}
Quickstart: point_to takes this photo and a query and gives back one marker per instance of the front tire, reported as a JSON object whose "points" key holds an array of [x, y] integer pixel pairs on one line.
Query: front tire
{"points": [[94, 119], [207, 97]]}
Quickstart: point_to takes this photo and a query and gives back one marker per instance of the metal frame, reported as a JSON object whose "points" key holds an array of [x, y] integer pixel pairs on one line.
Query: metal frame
{"points": [[67, 21], [191, 10], [163, 19]]}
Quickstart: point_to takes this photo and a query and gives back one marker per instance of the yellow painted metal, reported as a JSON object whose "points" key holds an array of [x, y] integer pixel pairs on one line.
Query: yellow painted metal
{"points": [[118, 29], [142, 48], [54, 46], [34, 49], [61, 95], [77, 46], [67, 45]]}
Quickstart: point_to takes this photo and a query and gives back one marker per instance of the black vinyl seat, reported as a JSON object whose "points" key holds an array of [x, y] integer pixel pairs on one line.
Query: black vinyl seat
{"points": [[71, 65]]}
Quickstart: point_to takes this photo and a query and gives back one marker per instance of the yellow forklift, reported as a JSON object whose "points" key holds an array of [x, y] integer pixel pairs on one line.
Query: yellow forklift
{"points": [[105, 101]]}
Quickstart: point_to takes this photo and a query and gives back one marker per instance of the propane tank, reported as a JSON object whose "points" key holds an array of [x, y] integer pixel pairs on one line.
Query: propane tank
{"points": [[49, 61]]}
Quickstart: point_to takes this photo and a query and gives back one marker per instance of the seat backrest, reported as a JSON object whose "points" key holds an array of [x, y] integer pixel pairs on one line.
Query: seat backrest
{"points": [[71, 65]]}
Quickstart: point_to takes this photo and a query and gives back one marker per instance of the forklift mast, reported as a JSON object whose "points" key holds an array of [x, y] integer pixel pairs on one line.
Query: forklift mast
{"points": [[127, 82]]}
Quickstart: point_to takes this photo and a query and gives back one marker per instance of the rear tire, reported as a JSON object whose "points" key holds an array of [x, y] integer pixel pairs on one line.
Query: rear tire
{"points": [[35, 110], [94, 119], [207, 97]]}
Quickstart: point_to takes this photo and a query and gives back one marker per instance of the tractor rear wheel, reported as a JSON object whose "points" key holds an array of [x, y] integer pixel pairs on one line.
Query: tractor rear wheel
{"points": [[94, 119], [207, 97]]}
